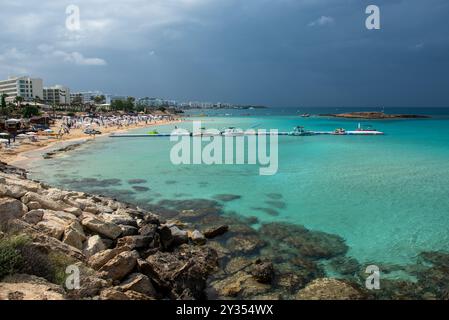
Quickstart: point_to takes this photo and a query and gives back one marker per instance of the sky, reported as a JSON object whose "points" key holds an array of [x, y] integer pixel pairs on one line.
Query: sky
{"points": [[261, 52]]}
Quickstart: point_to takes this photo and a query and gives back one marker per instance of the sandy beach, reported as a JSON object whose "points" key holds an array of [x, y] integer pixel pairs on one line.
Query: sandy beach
{"points": [[19, 155]]}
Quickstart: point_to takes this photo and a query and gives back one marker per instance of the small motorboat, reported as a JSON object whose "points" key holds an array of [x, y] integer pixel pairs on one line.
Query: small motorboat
{"points": [[232, 131], [339, 131], [305, 115], [300, 131]]}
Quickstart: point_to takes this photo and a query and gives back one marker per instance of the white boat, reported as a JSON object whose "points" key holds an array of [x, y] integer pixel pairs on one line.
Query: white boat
{"points": [[232, 131], [300, 131]]}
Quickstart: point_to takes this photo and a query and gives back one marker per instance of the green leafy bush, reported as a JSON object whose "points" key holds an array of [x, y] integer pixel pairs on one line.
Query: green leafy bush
{"points": [[11, 259]]}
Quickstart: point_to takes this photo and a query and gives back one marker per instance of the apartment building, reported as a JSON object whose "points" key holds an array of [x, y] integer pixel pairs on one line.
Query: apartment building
{"points": [[56, 95], [25, 87]]}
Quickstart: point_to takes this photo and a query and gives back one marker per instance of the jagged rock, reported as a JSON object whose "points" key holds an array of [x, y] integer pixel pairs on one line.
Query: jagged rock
{"points": [[134, 295], [197, 237], [263, 271], [183, 272], [54, 223], [120, 219], [74, 235], [179, 236], [120, 266], [33, 205], [93, 245], [128, 231], [135, 242], [148, 230], [215, 232], [329, 289], [103, 228], [12, 191], [46, 203], [165, 237], [28, 287], [139, 283], [101, 258], [33, 216], [113, 294], [73, 210], [10, 209]]}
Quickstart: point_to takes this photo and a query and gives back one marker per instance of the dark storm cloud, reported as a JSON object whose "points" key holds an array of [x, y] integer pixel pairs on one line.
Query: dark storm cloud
{"points": [[273, 52]]}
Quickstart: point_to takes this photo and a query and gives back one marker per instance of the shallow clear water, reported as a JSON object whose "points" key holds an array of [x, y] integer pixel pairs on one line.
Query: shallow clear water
{"points": [[387, 196]]}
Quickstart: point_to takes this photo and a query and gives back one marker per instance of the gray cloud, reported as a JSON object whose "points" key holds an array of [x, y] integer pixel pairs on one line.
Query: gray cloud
{"points": [[279, 52]]}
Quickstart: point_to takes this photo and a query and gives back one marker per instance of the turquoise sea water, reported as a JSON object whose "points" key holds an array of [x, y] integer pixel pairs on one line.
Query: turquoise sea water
{"points": [[387, 196]]}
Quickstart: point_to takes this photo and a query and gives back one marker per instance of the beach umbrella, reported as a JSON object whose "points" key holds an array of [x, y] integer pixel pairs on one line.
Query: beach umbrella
{"points": [[4, 134], [48, 130], [4, 140], [31, 133]]}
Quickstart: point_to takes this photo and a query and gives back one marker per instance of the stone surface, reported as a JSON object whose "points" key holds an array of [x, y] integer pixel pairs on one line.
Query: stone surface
{"points": [[103, 228], [93, 245], [135, 242], [139, 283], [263, 271], [101, 258], [215, 232], [329, 289], [74, 235], [120, 266], [10, 209], [33, 216], [27, 287], [197, 237]]}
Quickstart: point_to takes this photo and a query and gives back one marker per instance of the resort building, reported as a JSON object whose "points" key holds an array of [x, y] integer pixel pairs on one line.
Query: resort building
{"points": [[57, 95], [25, 87]]}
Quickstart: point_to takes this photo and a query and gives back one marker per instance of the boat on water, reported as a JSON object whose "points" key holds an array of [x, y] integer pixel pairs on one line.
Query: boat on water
{"points": [[232, 131], [305, 115], [339, 131], [366, 130], [300, 131]]}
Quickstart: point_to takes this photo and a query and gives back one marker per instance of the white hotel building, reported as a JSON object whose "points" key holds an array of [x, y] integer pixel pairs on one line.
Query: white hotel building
{"points": [[25, 87], [56, 95]]}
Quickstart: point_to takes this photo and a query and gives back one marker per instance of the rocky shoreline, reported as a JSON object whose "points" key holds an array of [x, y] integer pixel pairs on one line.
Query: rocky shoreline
{"points": [[189, 250]]}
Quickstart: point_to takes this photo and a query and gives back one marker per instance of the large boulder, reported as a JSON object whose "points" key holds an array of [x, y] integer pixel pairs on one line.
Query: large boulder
{"points": [[33, 216], [101, 258], [93, 245], [107, 229], [139, 283], [54, 223], [10, 209], [182, 272], [329, 289], [263, 271], [135, 242], [215, 232], [45, 202], [120, 266], [74, 235]]}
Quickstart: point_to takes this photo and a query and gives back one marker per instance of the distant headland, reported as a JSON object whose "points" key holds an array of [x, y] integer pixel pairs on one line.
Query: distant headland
{"points": [[374, 115]]}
